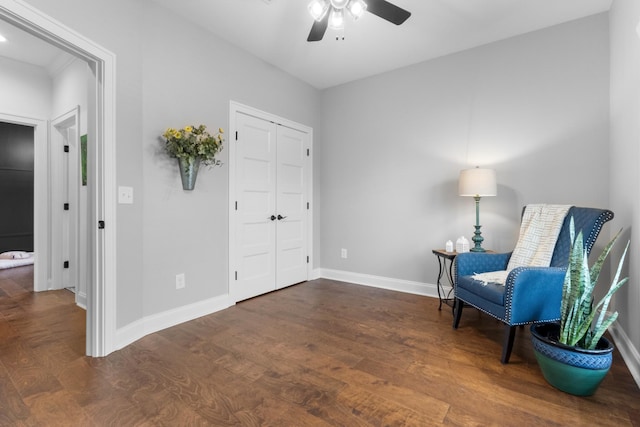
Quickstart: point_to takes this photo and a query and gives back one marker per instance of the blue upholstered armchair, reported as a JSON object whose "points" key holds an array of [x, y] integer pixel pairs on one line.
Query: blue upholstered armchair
{"points": [[530, 294]]}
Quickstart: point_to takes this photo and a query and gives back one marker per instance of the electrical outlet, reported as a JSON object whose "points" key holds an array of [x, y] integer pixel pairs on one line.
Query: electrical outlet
{"points": [[343, 253], [181, 282]]}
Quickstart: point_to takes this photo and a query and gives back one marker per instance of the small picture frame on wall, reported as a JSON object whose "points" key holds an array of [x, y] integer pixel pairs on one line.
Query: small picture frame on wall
{"points": [[83, 158]]}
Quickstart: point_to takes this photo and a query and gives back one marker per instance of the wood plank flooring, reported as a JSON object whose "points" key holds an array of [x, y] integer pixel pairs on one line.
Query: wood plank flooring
{"points": [[315, 354]]}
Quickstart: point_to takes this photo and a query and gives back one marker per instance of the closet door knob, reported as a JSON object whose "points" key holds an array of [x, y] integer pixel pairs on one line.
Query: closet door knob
{"points": [[272, 218], [281, 217]]}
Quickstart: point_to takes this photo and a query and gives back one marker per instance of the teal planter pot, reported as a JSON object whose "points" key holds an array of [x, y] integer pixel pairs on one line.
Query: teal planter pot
{"points": [[571, 369], [188, 172]]}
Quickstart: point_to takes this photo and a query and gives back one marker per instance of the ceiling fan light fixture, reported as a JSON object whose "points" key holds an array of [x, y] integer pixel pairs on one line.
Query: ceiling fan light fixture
{"points": [[357, 8], [336, 19], [330, 14], [318, 9]]}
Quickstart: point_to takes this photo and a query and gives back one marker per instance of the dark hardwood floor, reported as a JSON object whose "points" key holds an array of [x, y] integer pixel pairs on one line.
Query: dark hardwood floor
{"points": [[319, 353]]}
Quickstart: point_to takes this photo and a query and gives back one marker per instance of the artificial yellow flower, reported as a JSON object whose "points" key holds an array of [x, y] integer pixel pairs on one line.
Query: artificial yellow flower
{"points": [[194, 142], [220, 130]]}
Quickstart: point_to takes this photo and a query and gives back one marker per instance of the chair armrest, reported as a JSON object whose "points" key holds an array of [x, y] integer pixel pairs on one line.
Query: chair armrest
{"points": [[533, 294], [469, 263]]}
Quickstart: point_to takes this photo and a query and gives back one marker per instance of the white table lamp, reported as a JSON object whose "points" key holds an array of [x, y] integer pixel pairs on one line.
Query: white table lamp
{"points": [[477, 183]]}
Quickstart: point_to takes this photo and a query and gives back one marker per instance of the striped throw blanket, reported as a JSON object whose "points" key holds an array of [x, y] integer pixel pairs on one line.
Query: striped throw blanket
{"points": [[539, 232]]}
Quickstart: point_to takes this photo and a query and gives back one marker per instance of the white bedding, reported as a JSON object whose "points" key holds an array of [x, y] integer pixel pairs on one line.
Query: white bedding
{"points": [[26, 258]]}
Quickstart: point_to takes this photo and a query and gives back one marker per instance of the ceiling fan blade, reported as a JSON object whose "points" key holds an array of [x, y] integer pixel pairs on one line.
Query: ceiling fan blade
{"points": [[388, 11], [318, 29]]}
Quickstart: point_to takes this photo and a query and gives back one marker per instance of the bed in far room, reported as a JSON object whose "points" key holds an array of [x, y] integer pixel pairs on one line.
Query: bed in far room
{"points": [[15, 259]]}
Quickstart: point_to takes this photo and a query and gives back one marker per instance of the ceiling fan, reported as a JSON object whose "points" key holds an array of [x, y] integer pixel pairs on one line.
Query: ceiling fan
{"points": [[330, 13]]}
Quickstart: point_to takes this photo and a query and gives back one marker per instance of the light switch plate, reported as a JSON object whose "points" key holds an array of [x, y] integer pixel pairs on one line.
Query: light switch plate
{"points": [[125, 195]]}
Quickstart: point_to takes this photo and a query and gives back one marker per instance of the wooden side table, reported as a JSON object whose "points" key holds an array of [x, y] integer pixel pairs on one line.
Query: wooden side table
{"points": [[444, 256]]}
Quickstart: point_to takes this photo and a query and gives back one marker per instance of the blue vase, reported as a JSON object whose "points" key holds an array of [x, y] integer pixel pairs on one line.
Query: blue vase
{"points": [[188, 172], [573, 370]]}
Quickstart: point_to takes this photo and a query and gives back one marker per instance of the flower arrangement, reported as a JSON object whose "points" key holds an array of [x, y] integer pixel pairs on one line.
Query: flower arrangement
{"points": [[194, 142]]}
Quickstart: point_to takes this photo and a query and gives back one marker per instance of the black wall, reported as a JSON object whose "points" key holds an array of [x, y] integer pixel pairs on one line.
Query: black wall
{"points": [[16, 187]]}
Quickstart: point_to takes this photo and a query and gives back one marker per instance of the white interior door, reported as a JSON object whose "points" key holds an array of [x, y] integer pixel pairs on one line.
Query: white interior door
{"points": [[256, 204], [271, 208], [72, 185], [291, 204], [65, 148]]}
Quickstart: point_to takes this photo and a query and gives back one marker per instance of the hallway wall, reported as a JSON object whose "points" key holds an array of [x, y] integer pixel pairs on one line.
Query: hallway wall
{"points": [[16, 187]]}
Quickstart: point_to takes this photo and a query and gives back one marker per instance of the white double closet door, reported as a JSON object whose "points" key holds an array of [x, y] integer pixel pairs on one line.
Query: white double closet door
{"points": [[272, 207]]}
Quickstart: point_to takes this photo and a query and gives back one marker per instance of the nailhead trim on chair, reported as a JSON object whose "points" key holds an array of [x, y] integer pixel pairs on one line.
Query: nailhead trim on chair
{"points": [[602, 219], [509, 323], [483, 310], [508, 295]]}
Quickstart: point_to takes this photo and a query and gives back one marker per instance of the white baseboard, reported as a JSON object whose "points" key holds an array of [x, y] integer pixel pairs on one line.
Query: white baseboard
{"points": [[417, 288], [157, 322], [628, 351], [81, 300], [315, 274]]}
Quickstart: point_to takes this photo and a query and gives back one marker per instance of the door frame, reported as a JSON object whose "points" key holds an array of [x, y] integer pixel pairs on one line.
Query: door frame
{"points": [[101, 290], [234, 108], [57, 173]]}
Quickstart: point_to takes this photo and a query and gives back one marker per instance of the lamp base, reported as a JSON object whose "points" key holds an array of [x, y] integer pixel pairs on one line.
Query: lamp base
{"points": [[477, 240]]}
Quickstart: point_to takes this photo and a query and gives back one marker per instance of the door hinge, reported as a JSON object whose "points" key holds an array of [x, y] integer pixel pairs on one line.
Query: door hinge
{"points": [[307, 152], [100, 225], [307, 205], [236, 205], [307, 259], [66, 148], [236, 135], [236, 275], [66, 264], [66, 206]]}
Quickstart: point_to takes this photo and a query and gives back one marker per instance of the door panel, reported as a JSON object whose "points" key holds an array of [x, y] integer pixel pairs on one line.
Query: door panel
{"points": [[291, 234], [255, 186], [64, 182]]}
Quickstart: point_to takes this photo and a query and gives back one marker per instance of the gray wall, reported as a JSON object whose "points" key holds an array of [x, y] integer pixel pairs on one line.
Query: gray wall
{"points": [[97, 20], [625, 156], [533, 107], [16, 187], [187, 232], [170, 73], [25, 89]]}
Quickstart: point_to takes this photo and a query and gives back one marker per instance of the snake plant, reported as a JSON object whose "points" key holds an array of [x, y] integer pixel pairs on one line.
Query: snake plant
{"points": [[577, 326]]}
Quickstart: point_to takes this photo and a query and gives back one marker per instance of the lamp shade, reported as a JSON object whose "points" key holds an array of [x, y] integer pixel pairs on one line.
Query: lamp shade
{"points": [[477, 182]]}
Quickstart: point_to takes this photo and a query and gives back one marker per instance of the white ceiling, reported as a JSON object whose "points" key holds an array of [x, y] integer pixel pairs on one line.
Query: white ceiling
{"points": [[276, 31], [22, 46]]}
